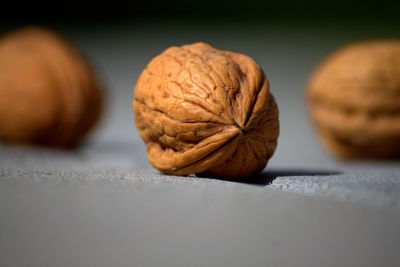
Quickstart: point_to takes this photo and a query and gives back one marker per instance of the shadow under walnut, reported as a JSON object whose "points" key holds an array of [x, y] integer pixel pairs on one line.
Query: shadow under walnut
{"points": [[204, 110]]}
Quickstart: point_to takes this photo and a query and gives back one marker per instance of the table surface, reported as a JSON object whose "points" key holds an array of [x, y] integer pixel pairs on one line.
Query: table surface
{"points": [[104, 205]]}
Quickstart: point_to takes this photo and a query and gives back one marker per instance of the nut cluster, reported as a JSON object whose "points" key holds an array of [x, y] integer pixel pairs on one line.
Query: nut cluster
{"points": [[48, 92], [204, 110]]}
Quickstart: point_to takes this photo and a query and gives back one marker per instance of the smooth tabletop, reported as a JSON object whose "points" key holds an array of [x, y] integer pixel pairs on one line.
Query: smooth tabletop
{"points": [[104, 205]]}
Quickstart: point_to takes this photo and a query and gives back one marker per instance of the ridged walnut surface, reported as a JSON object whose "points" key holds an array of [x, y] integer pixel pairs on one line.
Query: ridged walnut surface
{"points": [[200, 109], [354, 98], [48, 93]]}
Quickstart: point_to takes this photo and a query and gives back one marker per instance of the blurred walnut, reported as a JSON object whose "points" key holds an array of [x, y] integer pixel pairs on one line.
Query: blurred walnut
{"points": [[48, 94], [200, 109], [354, 99]]}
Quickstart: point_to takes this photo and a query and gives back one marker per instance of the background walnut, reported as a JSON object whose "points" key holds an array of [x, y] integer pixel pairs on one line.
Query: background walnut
{"points": [[201, 109], [48, 93], [354, 98]]}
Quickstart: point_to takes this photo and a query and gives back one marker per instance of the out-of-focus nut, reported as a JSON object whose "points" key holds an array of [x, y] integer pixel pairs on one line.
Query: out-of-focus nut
{"points": [[354, 100], [204, 110], [48, 92]]}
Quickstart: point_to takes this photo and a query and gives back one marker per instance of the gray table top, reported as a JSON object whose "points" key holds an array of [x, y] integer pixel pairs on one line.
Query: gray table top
{"points": [[103, 204]]}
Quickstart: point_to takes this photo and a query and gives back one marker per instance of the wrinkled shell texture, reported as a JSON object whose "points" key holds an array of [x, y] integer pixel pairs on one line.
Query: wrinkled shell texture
{"points": [[354, 98], [204, 110], [48, 93]]}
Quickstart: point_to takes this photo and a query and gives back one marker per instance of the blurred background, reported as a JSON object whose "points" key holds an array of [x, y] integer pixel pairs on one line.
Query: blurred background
{"points": [[287, 38]]}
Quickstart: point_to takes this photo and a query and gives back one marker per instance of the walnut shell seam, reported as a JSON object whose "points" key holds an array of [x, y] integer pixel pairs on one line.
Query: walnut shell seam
{"points": [[195, 106]]}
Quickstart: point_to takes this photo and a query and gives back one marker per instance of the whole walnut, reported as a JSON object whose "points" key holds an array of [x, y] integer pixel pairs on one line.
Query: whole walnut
{"points": [[48, 92], [204, 110], [354, 98]]}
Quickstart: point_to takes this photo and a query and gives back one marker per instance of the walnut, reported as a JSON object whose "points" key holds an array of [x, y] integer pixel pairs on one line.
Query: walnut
{"points": [[204, 110], [48, 92], [354, 98]]}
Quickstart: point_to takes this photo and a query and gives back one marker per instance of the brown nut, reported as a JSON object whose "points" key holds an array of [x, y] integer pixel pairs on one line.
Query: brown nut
{"points": [[48, 92], [200, 109], [354, 99]]}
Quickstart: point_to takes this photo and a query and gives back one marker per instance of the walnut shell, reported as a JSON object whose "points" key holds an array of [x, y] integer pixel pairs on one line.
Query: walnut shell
{"points": [[354, 99], [48, 92], [200, 109]]}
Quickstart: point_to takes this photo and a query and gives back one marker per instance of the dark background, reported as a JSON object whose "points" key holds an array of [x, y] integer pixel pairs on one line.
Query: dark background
{"points": [[23, 12]]}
